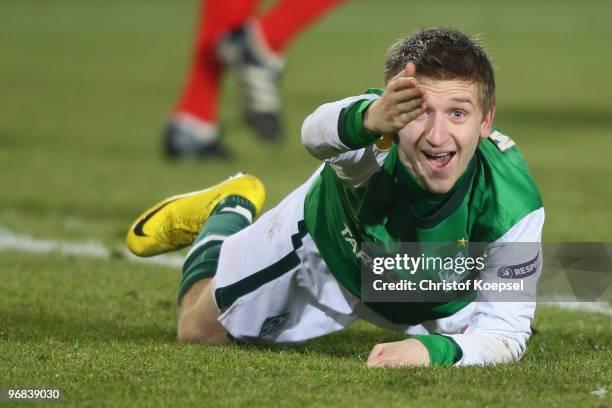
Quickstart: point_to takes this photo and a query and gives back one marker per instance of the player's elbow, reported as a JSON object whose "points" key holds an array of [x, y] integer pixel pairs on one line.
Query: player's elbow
{"points": [[318, 139], [491, 349], [310, 138], [504, 350], [189, 332]]}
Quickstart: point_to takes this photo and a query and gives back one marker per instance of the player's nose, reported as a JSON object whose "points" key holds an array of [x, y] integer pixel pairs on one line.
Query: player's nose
{"points": [[436, 131]]}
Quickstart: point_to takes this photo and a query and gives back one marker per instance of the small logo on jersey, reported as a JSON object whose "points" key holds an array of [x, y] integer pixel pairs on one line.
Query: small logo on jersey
{"points": [[384, 143], [502, 141], [462, 242], [519, 271], [449, 273], [349, 239], [273, 324]]}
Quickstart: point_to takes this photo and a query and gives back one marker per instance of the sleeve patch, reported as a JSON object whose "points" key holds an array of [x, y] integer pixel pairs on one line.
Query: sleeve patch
{"points": [[519, 271], [502, 141]]}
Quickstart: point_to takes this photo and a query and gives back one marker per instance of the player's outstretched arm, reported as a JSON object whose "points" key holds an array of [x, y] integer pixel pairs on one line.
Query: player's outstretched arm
{"points": [[358, 122], [497, 331], [333, 128]]}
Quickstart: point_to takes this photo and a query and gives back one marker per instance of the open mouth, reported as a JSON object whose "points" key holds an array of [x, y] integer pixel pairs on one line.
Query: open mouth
{"points": [[439, 161]]}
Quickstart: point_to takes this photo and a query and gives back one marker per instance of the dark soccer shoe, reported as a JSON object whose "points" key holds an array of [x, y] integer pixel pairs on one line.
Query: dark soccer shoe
{"points": [[258, 71], [186, 137]]}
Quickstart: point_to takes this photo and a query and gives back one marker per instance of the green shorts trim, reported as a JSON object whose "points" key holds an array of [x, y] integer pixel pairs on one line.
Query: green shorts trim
{"points": [[227, 295]]}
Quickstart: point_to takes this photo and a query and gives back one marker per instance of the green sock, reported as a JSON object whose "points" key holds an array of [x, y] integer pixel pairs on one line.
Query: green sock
{"points": [[231, 215]]}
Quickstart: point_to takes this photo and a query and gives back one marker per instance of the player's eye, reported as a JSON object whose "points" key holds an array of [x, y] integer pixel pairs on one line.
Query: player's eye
{"points": [[457, 114]]}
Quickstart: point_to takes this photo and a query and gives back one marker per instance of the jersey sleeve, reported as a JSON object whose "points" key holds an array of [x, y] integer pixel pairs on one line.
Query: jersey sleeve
{"points": [[498, 331], [334, 133]]}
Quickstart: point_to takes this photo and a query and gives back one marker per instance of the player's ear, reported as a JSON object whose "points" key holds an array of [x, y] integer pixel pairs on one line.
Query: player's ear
{"points": [[487, 122]]}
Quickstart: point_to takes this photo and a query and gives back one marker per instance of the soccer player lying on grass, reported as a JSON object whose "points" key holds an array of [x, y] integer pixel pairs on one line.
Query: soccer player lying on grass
{"points": [[294, 274]]}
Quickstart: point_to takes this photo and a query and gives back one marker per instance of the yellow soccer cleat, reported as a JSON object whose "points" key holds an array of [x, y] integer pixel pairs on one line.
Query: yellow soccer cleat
{"points": [[175, 222]]}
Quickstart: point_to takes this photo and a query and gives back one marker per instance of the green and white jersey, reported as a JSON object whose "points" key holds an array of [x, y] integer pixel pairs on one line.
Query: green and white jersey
{"points": [[365, 194]]}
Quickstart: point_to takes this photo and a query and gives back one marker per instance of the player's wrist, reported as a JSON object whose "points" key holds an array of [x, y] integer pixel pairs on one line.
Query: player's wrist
{"points": [[352, 129], [368, 121]]}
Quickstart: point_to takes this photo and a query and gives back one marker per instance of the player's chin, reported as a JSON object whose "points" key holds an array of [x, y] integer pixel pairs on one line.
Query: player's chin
{"points": [[440, 182], [439, 186]]}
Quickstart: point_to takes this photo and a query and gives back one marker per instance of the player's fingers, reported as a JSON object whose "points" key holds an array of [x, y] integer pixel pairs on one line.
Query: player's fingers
{"points": [[405, 95], [376, 350], [407, 117], [400, 74], [409, 105], [402, 83], [386, 362], [410, 70], [407, 112], [372, 361], [374, 354]]}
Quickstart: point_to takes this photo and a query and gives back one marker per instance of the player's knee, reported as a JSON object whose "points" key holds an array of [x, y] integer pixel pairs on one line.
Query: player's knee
{"points": [[188, 331], [191, 332]]}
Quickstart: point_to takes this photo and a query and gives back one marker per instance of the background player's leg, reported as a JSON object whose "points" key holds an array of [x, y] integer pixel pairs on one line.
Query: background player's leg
{"points": [[199, 97], [255, 52], [290, 17], [196, 110]]}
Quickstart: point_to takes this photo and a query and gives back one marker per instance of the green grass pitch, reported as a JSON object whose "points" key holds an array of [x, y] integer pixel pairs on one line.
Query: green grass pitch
{"points": [[86, 87]]}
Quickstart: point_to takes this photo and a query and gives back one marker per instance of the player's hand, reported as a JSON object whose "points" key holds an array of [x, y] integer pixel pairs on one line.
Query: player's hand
{"points": [[410, 352], [402, 101]]}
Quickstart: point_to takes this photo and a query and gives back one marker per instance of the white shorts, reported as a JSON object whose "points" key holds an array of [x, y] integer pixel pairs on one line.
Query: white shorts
{"points": [[272, 286]]}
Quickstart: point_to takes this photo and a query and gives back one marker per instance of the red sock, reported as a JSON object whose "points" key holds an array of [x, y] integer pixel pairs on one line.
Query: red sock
{"points": [[289, 17], [200, 94]]}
